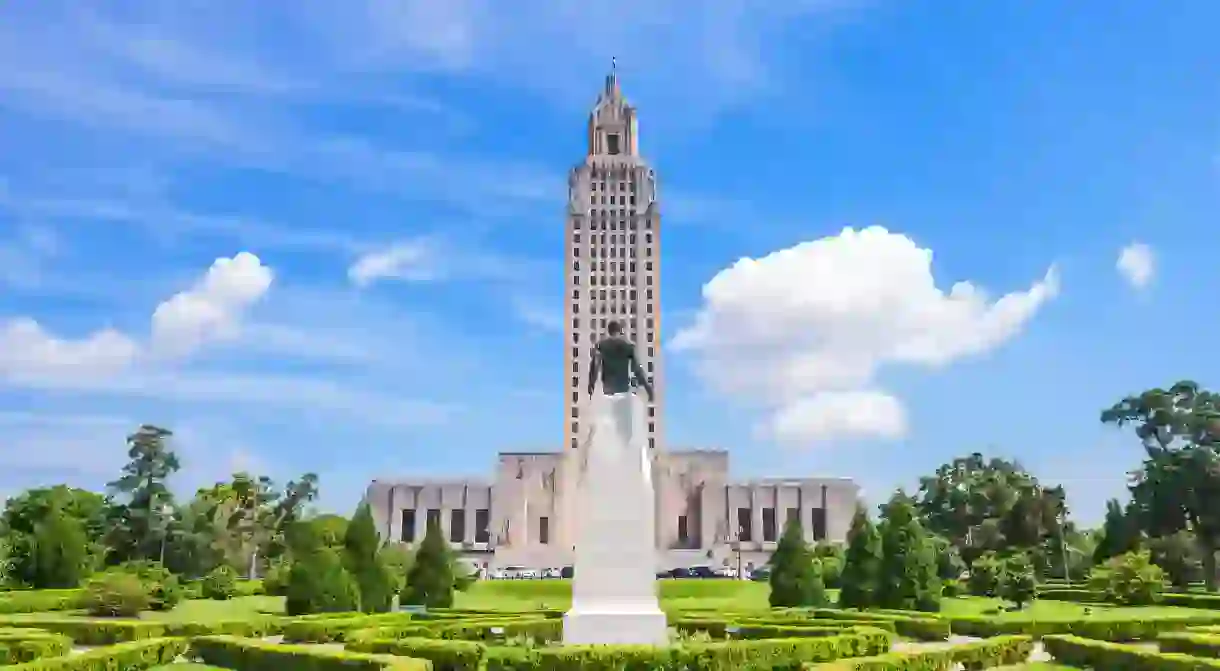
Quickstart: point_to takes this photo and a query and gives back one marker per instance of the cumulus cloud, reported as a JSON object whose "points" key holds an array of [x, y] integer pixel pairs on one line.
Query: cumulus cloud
{"points": [[210, 310], [1137, 264], [805, 330]]}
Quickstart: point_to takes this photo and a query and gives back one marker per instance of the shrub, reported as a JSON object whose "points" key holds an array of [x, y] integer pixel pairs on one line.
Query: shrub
{"points": [[861, 563], [18, 646], [1086, 653], [275, 580], [60, 552], [318, 583], [136, 655], [1129, 579], [1187, 643], [986, 572], [985, 654], [220, 583], [1017, 582], [362, 560], [233, 653], [42, 600], [1178, 556], [832, 557], [117, 594], [164, 589], [430, 582], [796, 577]]}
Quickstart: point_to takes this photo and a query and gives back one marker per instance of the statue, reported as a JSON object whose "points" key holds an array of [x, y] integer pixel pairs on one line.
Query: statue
{"points": [[615, 360]]}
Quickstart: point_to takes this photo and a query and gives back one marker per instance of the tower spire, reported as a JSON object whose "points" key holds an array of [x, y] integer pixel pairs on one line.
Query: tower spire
{"points": [[612, 89]]}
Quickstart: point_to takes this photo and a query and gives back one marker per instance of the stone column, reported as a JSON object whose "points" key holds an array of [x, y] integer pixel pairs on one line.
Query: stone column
{"points": [[756, 516]]}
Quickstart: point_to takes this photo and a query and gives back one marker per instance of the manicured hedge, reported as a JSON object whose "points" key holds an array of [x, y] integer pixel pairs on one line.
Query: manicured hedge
{"points": [[985, 654], [1190, 643], [1134, 629], [335, 629], [1087, 653], [125, 656], [26, 645], [541, 630], [920, 628], [244, 654], [41, 600], [1184, 599], [97, 631], [715, 656]]}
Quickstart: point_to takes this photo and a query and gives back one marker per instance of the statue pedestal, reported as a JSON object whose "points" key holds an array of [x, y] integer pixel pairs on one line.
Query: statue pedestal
{"points": [[614, 597]]}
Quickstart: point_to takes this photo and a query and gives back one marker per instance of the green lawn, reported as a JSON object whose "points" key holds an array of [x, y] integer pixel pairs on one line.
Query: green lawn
{"points": [[1052, 610], [203, 610], [190, 666]]}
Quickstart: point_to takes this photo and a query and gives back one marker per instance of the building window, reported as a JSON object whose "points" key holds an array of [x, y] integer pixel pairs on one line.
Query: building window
{"points": [[648, 294], [575, 367], [612, 144], [575, 444], [744, 523], [652, 427], [575, 413], [650, 350], [575, 427], [652, 443], [544, 530], [482, 525], [575, 381], [575, 397], [457, 526], [576, 265], [434, 519], [794, 517], [768, 515], [407, 533], [576, 322], [819, 524], [652, 412], [683, 531]]}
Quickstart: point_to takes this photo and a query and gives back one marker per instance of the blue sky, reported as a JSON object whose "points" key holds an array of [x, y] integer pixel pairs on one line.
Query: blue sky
{"points": [[386, 182]]}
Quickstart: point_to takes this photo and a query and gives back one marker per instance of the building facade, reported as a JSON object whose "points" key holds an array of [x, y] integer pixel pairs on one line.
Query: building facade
{"points": [[524, 514]]}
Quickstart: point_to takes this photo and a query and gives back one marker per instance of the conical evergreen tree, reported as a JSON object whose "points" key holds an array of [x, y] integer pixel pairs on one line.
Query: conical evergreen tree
{"points": [[861, 563], [318, 583], [908, 579], [796, 577], [362, 559], [430, 581]]}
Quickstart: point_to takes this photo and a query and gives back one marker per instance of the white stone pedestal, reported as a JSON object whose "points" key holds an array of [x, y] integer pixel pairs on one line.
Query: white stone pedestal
{"points": [[614, 597]]}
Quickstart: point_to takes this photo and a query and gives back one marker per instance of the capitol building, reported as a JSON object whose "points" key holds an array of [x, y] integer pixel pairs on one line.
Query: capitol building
{"points": [[523, 514]]}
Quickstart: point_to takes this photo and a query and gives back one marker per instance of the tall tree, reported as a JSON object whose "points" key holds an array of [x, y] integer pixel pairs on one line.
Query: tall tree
{"points": [[1120, 533], [796, 576], [908, 577], [981, 504], [861, 563], [431, 581], [1178, 485], [144, 492], [363, 561]]}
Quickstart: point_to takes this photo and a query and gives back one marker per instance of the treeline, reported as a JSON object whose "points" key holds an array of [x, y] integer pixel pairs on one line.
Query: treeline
{"points": [[136, 545]]}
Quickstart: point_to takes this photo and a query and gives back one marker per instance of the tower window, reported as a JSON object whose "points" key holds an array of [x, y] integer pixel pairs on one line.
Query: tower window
{"points": [[612, 143]]}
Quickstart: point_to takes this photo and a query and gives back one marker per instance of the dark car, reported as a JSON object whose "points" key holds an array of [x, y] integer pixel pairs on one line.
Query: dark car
{"points": [[702, 572], [567, 572]]}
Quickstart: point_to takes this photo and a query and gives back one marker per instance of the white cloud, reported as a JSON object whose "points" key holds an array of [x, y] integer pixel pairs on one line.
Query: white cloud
{"points": [[824, 316], [407, 261], [1137, 264], [840, 414], [210, 310]]}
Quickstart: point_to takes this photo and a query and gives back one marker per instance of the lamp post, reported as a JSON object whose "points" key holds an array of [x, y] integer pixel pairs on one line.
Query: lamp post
{"points": [[740, 531], [1063, 546]]}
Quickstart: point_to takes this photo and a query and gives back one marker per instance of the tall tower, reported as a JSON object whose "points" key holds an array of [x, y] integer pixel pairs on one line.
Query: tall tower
{"points": [[612, 260]]}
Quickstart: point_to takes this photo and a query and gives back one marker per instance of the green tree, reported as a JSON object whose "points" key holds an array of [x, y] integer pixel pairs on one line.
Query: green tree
{"points": [[1018, 583], [430, 581], [1178, 486], [949, 564], [832, 557], [1130, 579], [796, 577], [1120, 533], [138, 519], [26, 513], [1178, 556], [59, 552], [861, 563], [318, 583], [908, 577], [986, 574], [363, 561], [979, 504]]}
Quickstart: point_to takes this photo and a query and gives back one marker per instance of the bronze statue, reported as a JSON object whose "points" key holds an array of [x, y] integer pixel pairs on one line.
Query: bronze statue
{"points": [[615, 360]]}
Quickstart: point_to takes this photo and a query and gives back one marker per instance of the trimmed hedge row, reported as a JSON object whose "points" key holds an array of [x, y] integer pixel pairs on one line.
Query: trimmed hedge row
{"points": [[26, 645], [1182, 599], [40, 600], [334, 629], [1190, 643], [125, 656], [760, 628], [1104, 630], [787, 653], [86, 631], [244, 654], [905, 624], [985, 654], [541, 630], [1090, 654]]}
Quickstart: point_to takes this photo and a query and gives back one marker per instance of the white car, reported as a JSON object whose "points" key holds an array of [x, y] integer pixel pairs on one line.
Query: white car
{"points": [[528, 574], [507, 573]]}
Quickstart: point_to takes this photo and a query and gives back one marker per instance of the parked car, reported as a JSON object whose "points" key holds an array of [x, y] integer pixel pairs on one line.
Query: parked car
{"points": [[761, 574], [701, 572], [567, 572]]}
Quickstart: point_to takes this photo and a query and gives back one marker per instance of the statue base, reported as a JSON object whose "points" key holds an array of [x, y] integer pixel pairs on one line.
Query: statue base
{"points": [[617, 626]]}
